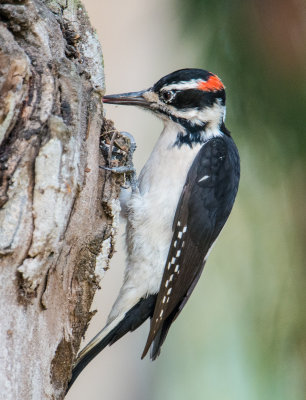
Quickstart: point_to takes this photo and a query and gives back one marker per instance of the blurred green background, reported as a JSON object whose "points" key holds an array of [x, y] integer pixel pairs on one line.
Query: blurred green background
{"points": [[245, 337], [242, 334]]}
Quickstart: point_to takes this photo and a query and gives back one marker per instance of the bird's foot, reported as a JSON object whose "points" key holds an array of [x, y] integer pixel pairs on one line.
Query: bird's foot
{"points": [[115, 152]]}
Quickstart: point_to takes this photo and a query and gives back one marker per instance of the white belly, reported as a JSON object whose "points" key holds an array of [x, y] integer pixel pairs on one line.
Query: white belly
{"points": [[150, 216]]}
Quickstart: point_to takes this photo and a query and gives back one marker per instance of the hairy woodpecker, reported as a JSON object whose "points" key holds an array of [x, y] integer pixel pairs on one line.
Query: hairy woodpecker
{"points": [[184, 195]]}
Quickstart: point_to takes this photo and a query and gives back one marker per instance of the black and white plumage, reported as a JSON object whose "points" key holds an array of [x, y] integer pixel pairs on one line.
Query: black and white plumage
{"points": [[205, 203], [185, 194]]}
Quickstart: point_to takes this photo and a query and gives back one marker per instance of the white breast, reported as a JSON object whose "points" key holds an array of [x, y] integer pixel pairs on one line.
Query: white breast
{"points": [[150, 217]]}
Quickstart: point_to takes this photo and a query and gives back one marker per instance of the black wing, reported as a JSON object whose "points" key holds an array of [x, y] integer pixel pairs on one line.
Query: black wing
{"points": [[205, 204]]}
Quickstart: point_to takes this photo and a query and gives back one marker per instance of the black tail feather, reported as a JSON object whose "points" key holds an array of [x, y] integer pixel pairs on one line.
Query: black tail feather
{"points": [[131, 321], [163, 331], [161, 337]]}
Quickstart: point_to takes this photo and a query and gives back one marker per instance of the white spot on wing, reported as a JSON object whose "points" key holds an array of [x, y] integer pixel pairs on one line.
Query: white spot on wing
{"points": [[178, 253], [185, 229], [177, 268], [169, 291], [203, 178], [180, 235]]}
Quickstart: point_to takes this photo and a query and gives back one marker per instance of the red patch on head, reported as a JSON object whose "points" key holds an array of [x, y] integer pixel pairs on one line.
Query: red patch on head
{"points": [[212, 84]]}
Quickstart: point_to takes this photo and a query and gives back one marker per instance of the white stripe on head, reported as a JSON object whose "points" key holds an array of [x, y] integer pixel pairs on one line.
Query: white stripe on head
{"points": [[191, 84]]}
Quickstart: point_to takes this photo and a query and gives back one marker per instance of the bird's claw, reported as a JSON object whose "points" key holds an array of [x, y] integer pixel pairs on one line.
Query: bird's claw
{"points": [[128, 169], [125, 169]]}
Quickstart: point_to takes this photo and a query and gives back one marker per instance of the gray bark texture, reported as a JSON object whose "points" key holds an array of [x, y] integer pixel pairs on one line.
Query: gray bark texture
{"points": [[58, 210]]}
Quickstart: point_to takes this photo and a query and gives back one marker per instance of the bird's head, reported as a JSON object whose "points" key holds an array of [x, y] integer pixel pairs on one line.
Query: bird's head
{"points": [[194, 98]]}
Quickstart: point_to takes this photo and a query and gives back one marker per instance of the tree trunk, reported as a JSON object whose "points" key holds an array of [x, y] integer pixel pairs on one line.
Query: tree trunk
{"points": [[58, 213]]}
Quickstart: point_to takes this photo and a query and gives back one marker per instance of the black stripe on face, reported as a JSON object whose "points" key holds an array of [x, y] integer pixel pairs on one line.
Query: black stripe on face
{"points": [[196, 99]]}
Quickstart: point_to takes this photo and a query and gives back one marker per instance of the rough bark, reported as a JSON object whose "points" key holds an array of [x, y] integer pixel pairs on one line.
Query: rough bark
{"points": [[58, 213]]}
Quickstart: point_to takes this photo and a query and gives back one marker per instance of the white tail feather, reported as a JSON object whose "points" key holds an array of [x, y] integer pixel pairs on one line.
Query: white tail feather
{"points": [[99, 337]]}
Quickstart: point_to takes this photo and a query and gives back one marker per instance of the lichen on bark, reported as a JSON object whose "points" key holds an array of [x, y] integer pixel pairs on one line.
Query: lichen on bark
{"points": [[58, 209]]}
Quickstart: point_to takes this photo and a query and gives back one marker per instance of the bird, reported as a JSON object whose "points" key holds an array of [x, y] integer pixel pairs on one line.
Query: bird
{"points": [[175, 209]]}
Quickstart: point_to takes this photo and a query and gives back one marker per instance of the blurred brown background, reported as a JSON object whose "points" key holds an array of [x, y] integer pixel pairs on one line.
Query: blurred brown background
{"points": [[242, 334]]}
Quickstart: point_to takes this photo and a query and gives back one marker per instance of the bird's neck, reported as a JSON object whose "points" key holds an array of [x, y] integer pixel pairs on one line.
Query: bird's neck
{"points": [[196, 126], [178, 134]]}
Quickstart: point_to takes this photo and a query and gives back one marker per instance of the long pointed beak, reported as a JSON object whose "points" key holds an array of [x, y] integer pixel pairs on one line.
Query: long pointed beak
{"points": [[129, 99]]}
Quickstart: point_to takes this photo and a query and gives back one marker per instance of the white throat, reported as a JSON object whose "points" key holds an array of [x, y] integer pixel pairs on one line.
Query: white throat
{"points": [[209, 116]]}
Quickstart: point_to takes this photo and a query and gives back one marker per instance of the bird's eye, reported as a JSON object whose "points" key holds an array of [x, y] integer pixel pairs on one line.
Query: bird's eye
{"points": [[167, 95]]}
